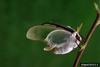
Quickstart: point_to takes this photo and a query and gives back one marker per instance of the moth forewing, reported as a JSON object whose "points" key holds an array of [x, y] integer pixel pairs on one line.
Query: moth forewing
{"points": [[39, 32]]}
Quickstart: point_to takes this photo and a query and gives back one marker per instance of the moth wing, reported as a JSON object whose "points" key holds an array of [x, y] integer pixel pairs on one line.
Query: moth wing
{"points": [[39, 32]]}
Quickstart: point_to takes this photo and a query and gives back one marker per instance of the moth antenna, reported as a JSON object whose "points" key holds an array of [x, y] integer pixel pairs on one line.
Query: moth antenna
{"points": [[79, 27]]}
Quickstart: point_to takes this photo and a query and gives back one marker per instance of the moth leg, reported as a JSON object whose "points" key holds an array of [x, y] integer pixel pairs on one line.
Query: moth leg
{"points": [[81, 43]]}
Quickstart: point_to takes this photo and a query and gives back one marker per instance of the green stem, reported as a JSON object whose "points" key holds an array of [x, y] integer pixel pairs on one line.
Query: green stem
{"points": [[90, 33]]}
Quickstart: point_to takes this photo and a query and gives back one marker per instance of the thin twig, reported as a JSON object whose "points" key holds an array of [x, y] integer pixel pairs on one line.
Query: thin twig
{"points": [[91, 31]]}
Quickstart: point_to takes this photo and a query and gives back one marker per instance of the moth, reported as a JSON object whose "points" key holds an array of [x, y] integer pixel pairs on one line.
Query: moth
{"points": [[59, 39]]}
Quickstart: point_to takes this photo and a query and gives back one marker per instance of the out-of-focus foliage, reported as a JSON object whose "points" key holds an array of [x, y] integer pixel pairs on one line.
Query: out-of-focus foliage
{"points": [[17, 16]]}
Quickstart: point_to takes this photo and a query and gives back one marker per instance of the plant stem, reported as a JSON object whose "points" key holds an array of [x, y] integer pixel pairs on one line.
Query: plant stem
{"points": [[91, 31]]}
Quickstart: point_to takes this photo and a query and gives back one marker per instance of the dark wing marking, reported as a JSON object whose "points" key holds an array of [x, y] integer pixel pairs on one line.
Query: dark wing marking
{"points": [[68, 28]]}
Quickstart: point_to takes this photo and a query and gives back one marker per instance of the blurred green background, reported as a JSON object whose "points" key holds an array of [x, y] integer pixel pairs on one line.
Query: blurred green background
{"points": [[17, 16]]}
